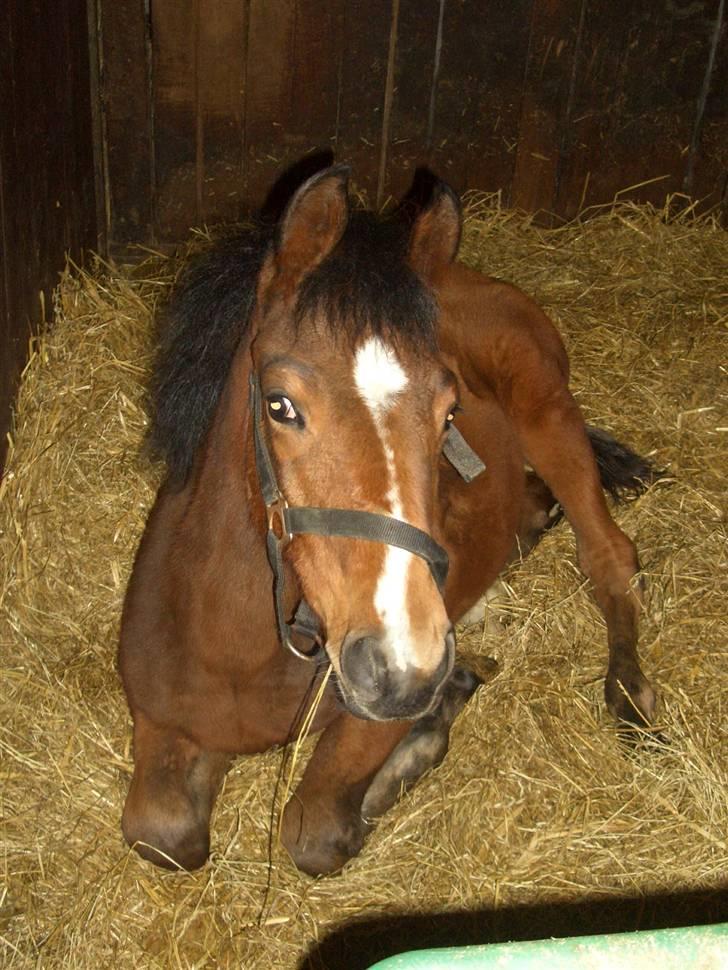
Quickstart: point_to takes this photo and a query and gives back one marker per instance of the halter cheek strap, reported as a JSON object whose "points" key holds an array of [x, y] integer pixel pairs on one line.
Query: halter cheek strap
{"points": [[461, 456], [284, 522]]}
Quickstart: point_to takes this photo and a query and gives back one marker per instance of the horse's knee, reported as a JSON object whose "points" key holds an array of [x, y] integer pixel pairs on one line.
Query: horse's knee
{"points": [[163, 824], [612, 565], [321, 839], [167, 812]]}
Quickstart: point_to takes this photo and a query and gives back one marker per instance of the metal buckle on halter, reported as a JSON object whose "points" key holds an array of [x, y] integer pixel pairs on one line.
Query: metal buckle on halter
{"points": [[276, 513], [312, 657]]}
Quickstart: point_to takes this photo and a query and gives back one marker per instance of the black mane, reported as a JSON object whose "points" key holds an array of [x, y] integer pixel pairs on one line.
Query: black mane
{"points": [[364, 286], [200, 329]]}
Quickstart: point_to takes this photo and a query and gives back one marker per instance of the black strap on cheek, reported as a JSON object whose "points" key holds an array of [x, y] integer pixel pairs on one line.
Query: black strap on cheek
{"points": [[266, 473], [305, 623], [461, 456]]}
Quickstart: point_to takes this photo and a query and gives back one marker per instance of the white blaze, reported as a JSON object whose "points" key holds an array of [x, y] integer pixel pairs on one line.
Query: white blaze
{"points": [[379, 378]]}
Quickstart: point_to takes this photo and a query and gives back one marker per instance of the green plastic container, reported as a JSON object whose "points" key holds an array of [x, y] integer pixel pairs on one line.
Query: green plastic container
{"points": [[692, 948]]}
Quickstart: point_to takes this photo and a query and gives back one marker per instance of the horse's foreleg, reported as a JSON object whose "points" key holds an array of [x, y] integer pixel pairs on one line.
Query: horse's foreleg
{"points": [[556, 444], [322, 823], [358, 771], [167, 812], [422, 748]]}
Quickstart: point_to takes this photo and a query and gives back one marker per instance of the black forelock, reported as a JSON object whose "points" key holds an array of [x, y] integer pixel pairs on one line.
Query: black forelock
{"points": [[366, 286]]}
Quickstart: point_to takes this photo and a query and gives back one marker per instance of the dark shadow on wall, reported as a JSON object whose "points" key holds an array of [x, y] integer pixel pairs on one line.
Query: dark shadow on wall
{"points": [[364, 941]]}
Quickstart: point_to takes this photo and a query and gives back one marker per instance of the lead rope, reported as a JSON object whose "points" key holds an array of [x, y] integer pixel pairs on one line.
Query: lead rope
{"points": [[274, 801]]}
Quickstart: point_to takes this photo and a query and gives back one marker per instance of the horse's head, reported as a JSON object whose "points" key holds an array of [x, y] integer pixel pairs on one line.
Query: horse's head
{"points": [[355, 405]]}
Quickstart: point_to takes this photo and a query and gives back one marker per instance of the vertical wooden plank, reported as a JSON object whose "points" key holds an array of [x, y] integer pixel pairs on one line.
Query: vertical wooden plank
{"points": [[311, 123], [35, 175], [46, 168], [388, 99], [25, 186], [126, 122], [80, 216], [8, 363], [545, 106], [706, 166], [363, 76], [639, 72], [221, 39], [416, 64], [291, 101], [98, 149], [479, 90], [268, 92], [177, 151]]}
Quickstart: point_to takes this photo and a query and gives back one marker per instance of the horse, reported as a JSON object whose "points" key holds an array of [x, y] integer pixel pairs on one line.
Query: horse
{"points": [[360, 433]]}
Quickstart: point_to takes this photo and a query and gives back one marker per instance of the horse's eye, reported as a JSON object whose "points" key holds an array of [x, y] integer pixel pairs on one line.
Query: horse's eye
{"points": [[281, 410]]}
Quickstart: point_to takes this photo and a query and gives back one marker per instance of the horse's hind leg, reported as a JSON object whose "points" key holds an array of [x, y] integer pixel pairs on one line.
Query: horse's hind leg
{"points": [[424, 746], [167, 812], [556, 444]]}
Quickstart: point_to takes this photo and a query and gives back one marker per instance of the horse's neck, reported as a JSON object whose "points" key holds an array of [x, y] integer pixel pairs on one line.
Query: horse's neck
{"points": [[226, 517]]}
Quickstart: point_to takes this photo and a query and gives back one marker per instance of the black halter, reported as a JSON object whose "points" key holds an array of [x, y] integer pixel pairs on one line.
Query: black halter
{"points": [[284, 522]]}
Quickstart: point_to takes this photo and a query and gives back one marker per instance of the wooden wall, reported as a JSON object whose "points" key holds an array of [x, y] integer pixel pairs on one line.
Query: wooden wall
{"points": [[558, 103], [47, 195], [129, 121]]}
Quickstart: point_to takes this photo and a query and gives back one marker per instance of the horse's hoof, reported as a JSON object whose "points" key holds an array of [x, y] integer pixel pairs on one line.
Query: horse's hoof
{"points": [[631, 699], [178, 857], [641, 738]]}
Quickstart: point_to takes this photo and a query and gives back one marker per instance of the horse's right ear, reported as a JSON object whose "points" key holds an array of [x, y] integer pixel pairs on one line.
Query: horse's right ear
{"points": [[312, 224], [435, 235]]}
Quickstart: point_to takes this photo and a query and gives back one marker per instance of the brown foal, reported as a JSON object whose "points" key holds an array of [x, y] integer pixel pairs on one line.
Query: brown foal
{"points": [[365, 348]]}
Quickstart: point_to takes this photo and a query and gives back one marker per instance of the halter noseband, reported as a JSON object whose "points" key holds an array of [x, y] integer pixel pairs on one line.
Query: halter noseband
{"points": [[285, 521]]}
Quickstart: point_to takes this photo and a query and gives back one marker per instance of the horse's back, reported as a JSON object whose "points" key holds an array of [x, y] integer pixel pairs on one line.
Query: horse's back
{"points": [[499, 336]]}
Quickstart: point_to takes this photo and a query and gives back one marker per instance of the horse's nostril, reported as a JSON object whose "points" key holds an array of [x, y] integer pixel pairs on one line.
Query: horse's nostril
{"points": [[364, 665]]}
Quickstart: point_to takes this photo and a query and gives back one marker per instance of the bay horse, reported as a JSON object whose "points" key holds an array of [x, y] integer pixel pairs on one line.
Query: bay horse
{"points": [[345, 410]]}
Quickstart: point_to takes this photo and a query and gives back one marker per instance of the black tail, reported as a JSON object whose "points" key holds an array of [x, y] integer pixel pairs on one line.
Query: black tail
{"points": [[623, 472]]}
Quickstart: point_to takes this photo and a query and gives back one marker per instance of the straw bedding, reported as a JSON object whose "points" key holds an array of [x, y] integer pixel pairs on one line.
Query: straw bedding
{"points": [[537, 802]]}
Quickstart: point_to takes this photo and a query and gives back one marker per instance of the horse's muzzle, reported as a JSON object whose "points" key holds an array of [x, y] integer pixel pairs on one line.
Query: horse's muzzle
{"points": [[374, 686]]}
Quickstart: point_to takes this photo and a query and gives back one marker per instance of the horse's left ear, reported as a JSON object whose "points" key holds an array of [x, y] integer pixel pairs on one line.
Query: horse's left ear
{"points": [[312, 224], [435, 235]]}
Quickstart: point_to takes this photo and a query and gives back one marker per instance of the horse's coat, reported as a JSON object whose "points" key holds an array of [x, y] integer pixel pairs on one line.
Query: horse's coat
{"points": [[366, 341]]}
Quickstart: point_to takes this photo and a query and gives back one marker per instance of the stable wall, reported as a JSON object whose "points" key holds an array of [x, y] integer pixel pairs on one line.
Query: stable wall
{"points": [[558, 104], [126, 122], [47, 183]]}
